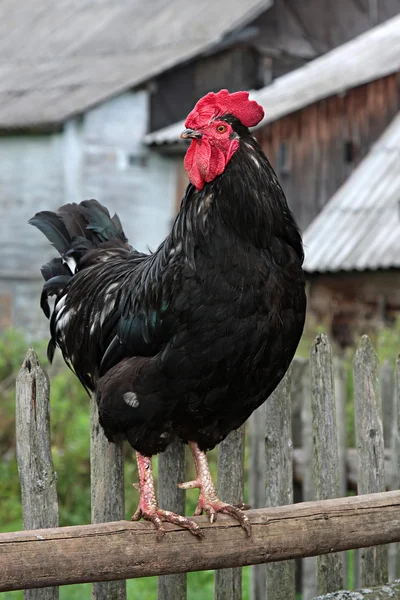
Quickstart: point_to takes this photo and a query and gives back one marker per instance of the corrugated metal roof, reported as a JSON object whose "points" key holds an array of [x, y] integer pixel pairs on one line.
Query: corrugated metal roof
{"points": [[369, 56], [359, 228], [59, 58]]}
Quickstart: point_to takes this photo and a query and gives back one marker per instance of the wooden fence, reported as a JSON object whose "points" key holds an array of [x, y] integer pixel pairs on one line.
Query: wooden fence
{"points": [[296, 450]]}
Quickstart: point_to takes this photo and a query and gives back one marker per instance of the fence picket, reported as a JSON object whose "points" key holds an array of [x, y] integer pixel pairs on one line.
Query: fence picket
{"points": [[386, 379], [171, 471], [395, 463], [257, 488], [35, 462], [107, 492], [325, 452], [309, 565], [280, 577], [369, 440], [228, 582]]}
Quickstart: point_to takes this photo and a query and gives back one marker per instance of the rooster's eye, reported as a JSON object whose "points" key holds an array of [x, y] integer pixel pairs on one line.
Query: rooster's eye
{"points": [[221, 128]]}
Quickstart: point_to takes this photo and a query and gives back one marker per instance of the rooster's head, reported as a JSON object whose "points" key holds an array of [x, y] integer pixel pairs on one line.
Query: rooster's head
{"points": [[214, 126]]}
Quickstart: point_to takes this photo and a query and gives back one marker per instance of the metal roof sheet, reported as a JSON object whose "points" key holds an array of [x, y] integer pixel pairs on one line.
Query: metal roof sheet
{"points": [[359, 228], [59, 58], [367, 57]]}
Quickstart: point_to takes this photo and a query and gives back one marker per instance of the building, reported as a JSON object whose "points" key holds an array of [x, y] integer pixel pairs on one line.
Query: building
{"points": [[353, 246], [82, 83], [320, 120], [75, 90]]}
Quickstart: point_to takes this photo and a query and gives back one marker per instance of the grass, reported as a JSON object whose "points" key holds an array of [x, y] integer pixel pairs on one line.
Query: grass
{"points": [[200, 587]]}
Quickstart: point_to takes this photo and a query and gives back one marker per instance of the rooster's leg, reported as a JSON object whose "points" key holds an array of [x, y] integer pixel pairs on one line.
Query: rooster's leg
{"points": [[148, 507], [208, 498]]}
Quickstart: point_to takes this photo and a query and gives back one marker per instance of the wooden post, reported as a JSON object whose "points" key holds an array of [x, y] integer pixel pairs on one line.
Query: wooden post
{"points": [[325, 451], [309, 566], [340, 387], [257, 488], [35, 463], [371, 458], [386, 378], [389, 424], [228, 582], [280, 577], [394, 567], [396, 457], [107, 492], [171, 471]]}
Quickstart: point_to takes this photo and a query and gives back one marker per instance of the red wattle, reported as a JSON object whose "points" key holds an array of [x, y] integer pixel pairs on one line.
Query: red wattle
{"points": [[204, 162]]}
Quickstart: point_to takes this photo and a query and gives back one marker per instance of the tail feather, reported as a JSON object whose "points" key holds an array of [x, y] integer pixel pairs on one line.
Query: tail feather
{"points": [[54, 268], [53, 286], [74, 230], [74, 220], [53, 228], [88, 220], [100, 222]]}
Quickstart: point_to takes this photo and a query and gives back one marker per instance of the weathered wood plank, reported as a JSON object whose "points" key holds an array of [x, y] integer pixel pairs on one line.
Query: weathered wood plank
{"points": [[126, 550], [280, 577], [257, 488], [340, 387], [325, 451], [387, 386], [394, 471], [228, 582], [309, 565], [35, 463], [171, 471], [369, 440], [107, 493]]}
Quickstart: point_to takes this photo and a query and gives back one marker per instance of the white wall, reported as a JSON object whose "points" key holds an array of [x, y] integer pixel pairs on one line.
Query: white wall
{"points": [[100, 156], [124, 175]]}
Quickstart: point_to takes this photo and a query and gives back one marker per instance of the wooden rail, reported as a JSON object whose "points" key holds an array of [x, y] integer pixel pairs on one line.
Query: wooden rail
{"points": [[123, 550]]}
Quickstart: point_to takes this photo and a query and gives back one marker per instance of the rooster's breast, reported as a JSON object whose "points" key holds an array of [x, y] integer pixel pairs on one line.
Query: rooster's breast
{"points": [[240, 322]]}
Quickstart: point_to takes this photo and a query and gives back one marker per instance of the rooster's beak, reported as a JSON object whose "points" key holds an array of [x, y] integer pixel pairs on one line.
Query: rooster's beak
{"points": [[191, 134]]}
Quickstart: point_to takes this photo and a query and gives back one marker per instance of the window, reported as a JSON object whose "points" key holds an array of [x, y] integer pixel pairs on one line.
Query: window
{"points": [[349, 152]]}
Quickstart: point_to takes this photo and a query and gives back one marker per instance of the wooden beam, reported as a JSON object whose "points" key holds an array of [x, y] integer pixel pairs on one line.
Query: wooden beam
{"points": [[124, 550]]}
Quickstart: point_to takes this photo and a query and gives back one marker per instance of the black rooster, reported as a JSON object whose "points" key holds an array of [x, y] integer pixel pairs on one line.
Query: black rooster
{"points": [[185, 342]]}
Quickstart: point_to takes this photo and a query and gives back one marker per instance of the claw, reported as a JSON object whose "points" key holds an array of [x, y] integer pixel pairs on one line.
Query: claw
{"points": [[189, 485], [157, 516]]}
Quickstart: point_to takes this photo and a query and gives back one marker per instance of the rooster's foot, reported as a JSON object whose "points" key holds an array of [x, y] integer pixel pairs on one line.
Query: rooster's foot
{"points": [[148, 507], [208, 502], [157, 516]]}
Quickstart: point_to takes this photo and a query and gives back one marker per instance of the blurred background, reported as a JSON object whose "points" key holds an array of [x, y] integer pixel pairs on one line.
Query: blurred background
{"points": [[93, 96]]}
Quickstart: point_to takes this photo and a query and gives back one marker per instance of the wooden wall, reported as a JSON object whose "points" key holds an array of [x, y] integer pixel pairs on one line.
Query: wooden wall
{"points": [[351, 304], [316, 138], [174, 93]]}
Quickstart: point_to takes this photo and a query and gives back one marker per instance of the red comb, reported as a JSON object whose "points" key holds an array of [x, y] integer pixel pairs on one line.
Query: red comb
{"points": [[223, 103]]}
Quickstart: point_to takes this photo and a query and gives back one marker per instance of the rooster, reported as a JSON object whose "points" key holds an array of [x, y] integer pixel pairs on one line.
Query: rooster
{"points": [[188, 341]]}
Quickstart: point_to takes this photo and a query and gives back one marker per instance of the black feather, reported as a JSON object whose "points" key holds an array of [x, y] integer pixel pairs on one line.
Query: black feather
{"points": [[74, 220], [53, 228], [54, 268], [52, 287]]}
